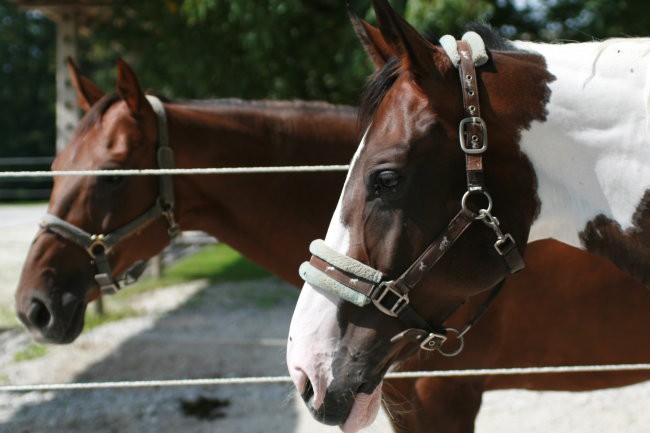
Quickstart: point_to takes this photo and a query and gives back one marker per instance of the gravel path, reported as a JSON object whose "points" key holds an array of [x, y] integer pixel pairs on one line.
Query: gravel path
{"points": [[196, 330]]}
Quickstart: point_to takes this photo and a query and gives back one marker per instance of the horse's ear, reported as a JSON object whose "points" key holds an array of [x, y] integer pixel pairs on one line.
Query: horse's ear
{"points": [[87, 92], [409, 45], [372, 40], [129, 89]]}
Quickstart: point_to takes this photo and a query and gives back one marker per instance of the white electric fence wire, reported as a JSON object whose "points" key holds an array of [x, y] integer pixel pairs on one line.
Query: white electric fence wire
{"points": [[285, 379], [176, 171]]}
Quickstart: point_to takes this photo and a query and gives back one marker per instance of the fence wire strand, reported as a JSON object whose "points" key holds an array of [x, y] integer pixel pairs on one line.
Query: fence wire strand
{"points": [[175, 171], [286, 379]]}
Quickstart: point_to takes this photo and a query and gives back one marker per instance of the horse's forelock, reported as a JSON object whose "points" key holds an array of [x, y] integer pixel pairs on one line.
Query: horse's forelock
{"points": [[376, 88], [94, 116]]}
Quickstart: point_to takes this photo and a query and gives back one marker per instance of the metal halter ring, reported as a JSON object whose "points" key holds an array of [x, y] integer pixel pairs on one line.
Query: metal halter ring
{"points": [[461, 343], [97, 241], [480, 215]]}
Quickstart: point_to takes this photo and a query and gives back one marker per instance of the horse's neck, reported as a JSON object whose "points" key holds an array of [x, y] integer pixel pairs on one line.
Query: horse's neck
{"points": [[270, 218], [592, 154]]}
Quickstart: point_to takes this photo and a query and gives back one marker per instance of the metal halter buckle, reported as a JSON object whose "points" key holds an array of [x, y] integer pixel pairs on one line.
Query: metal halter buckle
{"points": [[379, 294], [463, 142]]}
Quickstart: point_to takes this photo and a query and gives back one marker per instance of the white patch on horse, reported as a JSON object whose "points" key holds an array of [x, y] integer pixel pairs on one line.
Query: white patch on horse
{"points": [[592, 154], [314, 332]]}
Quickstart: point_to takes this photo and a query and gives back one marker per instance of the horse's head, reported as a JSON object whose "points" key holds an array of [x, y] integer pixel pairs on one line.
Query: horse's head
{"points": [[59, 278], [407, 182]]}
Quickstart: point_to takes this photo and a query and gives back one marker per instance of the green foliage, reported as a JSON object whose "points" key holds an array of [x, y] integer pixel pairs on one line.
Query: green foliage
{"points": [[440, 17], [248, 48], [585, 20], [277, 49], [27, 90], [579, 20], [27, 93], [306, 49]]}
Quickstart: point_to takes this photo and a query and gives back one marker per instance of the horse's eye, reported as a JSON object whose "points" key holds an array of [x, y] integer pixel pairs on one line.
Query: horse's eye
{"points": [[388, 179]]}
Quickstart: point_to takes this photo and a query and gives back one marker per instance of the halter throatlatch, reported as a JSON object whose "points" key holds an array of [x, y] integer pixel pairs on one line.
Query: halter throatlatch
{"points": [[98, 245], [360, 284]]}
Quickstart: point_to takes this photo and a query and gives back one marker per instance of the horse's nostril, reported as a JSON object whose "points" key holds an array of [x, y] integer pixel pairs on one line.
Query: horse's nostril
{"points": [[308, 392], [38, 314]]}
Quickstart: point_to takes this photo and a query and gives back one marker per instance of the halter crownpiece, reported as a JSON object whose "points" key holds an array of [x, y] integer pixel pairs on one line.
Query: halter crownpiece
{"points": [[98, 245], [360, 284], [475, 42]]}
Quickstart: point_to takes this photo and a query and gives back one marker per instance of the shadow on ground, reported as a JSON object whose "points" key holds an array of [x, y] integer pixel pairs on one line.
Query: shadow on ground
{"points": [[222, 330]]}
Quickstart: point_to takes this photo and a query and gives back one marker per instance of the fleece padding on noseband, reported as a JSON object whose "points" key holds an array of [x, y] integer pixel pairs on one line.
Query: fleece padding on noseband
{"points": [[321, 281], [475, 42], [320, 249]]}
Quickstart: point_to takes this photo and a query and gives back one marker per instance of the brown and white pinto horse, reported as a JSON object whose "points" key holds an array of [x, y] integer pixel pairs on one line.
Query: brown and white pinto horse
{"points": [[120, 131], [561, 163]]}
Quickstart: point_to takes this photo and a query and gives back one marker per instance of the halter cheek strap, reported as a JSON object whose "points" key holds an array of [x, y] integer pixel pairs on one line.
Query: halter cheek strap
{"points": [[98, 245]]}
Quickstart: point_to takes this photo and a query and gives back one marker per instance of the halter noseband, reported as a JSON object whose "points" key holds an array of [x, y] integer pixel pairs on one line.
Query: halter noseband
{"points": [[98, 245], [360, 284]]}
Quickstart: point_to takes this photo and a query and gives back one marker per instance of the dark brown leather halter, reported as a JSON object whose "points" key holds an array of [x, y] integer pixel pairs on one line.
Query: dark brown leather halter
{"points": [[391, 297]]}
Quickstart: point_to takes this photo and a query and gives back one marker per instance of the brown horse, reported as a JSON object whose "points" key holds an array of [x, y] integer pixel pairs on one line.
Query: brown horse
{"points": [[415, 235], [120, 131], [236, 209]]}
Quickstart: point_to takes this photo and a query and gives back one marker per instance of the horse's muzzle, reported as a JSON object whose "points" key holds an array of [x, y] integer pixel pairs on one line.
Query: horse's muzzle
{"points": [[53, 322]]}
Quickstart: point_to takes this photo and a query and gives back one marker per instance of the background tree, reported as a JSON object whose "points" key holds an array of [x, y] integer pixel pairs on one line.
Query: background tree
{"points": [[27, 82], [255, 48], [27, 92], [244, 48]]}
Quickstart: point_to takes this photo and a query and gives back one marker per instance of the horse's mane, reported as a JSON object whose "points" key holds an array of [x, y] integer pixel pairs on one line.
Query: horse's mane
{"points": [[100, 108], [381, 81]]}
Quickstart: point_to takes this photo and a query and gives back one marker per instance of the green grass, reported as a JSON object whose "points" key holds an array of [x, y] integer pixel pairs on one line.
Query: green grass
{"points": [[33, 351], [216, 263], [93, 319]]}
